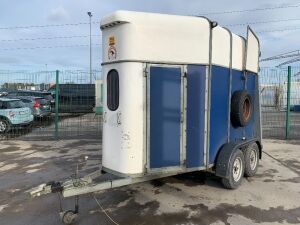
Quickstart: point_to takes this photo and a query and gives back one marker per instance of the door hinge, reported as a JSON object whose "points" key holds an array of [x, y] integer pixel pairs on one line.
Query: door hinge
{"points": [[181, 117], [146, 72]]}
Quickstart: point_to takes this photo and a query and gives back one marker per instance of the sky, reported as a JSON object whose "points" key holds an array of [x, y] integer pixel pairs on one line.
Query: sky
{"points": [[27, 48]]}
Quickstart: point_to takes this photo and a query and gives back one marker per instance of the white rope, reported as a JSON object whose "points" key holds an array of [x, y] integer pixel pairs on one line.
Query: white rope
{"points": [[104, 211]]}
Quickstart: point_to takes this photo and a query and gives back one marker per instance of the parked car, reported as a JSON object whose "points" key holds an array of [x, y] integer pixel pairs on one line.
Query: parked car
{"points": [[3, 93], [75, 98], [40, 107], [42, 94], [14, 114]]}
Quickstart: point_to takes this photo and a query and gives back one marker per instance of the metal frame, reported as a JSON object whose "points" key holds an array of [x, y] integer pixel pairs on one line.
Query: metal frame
{"points": [[147, 122], [116, 173], [184, 108], [207, 112], [98, 181], [259, 95], [207, 101], [153, 62], [145, 116], [230, 86]]}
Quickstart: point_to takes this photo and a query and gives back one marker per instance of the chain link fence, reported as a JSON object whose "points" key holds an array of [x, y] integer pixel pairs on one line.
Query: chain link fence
{"points": [[277, 120], [63, 104]]}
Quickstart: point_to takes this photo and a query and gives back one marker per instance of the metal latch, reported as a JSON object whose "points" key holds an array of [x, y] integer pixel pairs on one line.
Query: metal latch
{"points": [[119, 118], [104, 117]]}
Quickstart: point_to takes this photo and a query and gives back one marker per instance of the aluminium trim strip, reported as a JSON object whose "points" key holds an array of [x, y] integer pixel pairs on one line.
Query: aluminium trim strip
{"points": [[230, 87], [207, 101], [166, 63]]}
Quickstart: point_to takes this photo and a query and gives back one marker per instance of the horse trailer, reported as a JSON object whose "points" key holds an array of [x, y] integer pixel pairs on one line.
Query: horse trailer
{"points": [[180, 94]]}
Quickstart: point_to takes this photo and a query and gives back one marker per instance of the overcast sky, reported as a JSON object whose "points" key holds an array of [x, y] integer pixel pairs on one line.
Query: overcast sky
{"points": [[41, 12]]}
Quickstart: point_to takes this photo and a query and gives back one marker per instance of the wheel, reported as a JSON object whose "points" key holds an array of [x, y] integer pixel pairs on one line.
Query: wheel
{"points": [[4, 126], [68, 217], [241, 108], [251, 160], [29, 126], [236, 170]]}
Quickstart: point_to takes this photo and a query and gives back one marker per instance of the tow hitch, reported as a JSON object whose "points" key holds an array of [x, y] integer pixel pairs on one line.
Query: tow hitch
{"points": [[43, 189]]}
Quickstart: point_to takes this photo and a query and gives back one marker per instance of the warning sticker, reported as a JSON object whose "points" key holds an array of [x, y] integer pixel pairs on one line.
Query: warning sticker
{"points": [[112, 53], [112, 40]]}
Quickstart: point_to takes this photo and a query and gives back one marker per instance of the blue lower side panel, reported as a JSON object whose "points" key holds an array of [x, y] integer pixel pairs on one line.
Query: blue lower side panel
{"points": [[218, 110], [238, 83], [195, 116], [165, 104], [165, 113]]}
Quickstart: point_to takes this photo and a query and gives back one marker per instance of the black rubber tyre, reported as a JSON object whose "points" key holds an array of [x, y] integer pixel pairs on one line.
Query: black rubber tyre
{"points": [[236, 171], [251, 160], [4, 126], [69, 217], [241, 108]]}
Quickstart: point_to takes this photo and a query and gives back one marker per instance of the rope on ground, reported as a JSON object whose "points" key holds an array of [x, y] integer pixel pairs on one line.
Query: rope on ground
{"points": [[281, 162], [102, 209]]}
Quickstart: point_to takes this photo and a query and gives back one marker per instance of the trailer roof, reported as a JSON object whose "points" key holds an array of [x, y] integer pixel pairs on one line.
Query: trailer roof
{"points": [[162, 38]]}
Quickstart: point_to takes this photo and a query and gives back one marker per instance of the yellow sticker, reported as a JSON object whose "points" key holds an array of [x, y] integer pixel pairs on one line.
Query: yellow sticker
{"points": [[112, 40]]}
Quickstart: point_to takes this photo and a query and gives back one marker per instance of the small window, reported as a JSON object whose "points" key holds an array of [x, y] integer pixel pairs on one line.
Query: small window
{"points": [[16, 104], [25, 100], [113, 90]]}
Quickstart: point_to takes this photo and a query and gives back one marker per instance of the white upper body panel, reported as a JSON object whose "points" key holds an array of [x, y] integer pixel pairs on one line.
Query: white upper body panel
{"points": [[161, 38], [252, 52], [220, 47], [238, 52], [155, 38]]}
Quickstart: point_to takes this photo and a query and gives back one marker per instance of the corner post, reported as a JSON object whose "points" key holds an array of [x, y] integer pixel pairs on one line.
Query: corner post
{"points": [[56, 104], [288, 107]]}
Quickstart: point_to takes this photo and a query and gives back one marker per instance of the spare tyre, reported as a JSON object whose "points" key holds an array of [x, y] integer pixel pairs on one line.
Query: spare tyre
{"points": [[241, 108]]}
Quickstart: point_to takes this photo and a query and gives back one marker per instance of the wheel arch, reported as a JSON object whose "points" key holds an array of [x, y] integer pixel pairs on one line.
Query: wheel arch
{"points": [[225, 153], [260, 147], [4, 118]]}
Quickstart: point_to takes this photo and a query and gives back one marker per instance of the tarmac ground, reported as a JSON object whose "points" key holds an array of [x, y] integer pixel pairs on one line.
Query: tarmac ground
{"points": [[270, 197]]}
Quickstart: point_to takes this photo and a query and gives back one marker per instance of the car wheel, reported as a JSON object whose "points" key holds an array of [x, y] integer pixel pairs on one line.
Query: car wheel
{"points": [[4, 126], [236, 171], [251, 160]]}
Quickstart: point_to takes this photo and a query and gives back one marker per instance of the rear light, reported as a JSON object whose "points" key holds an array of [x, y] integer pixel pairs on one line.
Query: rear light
{"points": [[11, 114], [36, 104]]}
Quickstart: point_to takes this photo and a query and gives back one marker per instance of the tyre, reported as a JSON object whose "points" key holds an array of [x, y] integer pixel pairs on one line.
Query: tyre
{"points": [[241, 108], [251, 160], [4, 126], [236, 171], [69, 217]]}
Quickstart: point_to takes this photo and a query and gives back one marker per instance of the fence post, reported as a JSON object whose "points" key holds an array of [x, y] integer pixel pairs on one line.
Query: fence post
{"points": [[288, 107], [56, 104]]}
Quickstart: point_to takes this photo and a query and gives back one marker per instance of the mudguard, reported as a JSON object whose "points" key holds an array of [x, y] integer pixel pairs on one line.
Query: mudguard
{"points": [[226, 152]]}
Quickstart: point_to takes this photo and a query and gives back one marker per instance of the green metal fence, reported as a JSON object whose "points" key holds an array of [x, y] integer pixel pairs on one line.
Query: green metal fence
{"points": [[76, 105], [73, 103], [280, 102]]}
